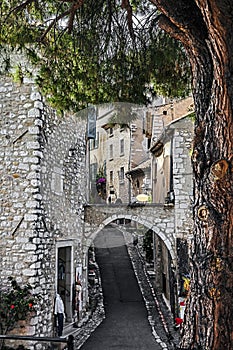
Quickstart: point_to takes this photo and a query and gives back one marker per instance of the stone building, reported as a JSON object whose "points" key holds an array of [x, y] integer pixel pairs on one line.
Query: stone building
{"points": [[172, 186], [42, 193], [120, 145], [146, 131], [167, 178], [164, 172], [45, 166]]}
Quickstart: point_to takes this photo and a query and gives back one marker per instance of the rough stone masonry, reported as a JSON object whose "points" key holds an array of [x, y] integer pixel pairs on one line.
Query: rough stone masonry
{"points": [[43, 190], [42, 193]]}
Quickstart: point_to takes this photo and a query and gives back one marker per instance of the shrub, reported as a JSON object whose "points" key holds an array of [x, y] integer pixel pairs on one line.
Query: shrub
{"points": [[15, 304]]}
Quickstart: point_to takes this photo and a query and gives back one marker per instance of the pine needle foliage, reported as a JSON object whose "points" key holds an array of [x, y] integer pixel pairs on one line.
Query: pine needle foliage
{"points": [[91, 52]]}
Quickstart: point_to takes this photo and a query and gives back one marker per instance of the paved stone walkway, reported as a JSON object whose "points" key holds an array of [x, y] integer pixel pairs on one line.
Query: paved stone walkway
{"points": [[159, 317], [126, 325]]}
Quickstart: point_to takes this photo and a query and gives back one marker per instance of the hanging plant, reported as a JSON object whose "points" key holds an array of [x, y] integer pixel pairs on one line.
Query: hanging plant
{"points": [[101, 180], [101, 183]]}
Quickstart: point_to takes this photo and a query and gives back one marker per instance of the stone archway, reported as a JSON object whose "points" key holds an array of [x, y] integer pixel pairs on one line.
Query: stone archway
{"points": [[164, 265], [149, 223]]}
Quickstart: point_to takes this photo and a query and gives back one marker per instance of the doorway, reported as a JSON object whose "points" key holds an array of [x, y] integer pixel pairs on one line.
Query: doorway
{"points": [[64, 280]]}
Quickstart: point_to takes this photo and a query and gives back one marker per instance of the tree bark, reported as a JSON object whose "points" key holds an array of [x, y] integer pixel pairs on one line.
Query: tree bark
{"points": [[205, 29]]}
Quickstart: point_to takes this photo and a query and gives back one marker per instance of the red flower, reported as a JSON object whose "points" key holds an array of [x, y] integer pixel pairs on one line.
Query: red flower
{"points": [[12, 306], [178, 320], [30, 305]]}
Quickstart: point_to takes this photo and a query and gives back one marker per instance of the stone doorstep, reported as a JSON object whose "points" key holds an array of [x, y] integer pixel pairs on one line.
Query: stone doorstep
{"points": [[85, 326], [73, 329], [84, 331]]}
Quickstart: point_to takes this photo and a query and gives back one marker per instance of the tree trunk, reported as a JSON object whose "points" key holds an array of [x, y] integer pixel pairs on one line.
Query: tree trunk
{"points": [[205, 29]]}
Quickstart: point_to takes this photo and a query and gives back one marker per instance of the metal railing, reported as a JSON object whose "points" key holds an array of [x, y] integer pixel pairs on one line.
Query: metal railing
{"points": [[69, 340]]}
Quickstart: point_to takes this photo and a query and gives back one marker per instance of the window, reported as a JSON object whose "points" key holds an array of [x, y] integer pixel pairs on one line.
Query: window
{"points": [[111, 152], [111, 178], [122, 174], [122, 147], [148, 143], [91, 143], [149, 123], [110, 132]]}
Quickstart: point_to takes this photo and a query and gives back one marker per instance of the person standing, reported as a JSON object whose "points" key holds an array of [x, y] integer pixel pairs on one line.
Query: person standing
{"points": [[78, 289], [59, 312]]}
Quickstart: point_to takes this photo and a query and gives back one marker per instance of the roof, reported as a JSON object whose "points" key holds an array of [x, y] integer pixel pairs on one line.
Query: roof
{"points": [[139, 169], [157, 148]]}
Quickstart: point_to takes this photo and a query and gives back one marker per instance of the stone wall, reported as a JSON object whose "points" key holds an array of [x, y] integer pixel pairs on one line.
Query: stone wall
{"points": [[166, 113], [20, 179], [155, 217], [183, 191], [183, 176], [43, 189]]}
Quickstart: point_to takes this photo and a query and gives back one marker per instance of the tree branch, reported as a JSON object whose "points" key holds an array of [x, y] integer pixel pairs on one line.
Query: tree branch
{"points": [[19, 7], [74, 8], [183, 20], [76, 5], [173, 30], [126, 5], [62, 15], [185, 15]]}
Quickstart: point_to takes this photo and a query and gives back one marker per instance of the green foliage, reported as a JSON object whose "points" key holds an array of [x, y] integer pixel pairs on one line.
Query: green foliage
{"points": [[101, 173], [15, 304], [18, 74], [123, 115], [192, 116], [171, 73], [97, 53]]}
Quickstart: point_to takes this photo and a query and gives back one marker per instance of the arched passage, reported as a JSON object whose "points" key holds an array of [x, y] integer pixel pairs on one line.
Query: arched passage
{"points": [[168, 240], [163, 263]]}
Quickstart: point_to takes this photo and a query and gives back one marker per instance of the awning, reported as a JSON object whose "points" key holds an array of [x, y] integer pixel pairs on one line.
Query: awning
{"points": [[139, 170]]}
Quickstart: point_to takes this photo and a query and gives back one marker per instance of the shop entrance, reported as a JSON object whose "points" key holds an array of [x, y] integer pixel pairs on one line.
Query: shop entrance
{"points": [[64, 280]]}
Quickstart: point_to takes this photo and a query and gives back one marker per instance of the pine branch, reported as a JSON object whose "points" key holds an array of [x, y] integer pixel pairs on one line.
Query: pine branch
{"points": [[56, 19], [74, 8], [19, 7], [126, 5], [71, 12]]}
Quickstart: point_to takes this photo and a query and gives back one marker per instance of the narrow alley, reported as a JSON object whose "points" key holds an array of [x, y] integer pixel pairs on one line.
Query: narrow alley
{"points": [[126, 324]]}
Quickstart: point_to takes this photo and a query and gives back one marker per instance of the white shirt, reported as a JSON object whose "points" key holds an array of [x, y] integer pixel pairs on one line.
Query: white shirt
{"points": [[59, 306]]}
